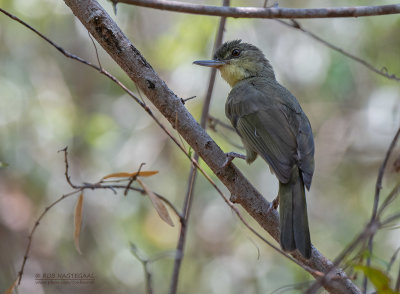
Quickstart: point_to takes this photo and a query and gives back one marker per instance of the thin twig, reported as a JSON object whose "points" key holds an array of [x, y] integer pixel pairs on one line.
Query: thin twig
{"points": [[392, 260], [397, 286], [213, 122], [100, 185], [133, 178], [162, 255], [390, 219], [179, 135], [95, 49], [145, 263], [187, 99], [79, 189], [383, 72], [213, 71], [140, 94], [382, 169], [141, 191], [378, 188], [389, 199], [182, 234], [370, 229], [193, 170], [66, 173], [273, 12], [286, 288], [62, 50], [37, 222]]}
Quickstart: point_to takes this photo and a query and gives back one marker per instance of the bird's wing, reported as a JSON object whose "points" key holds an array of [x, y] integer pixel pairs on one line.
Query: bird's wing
{"points": [[305, 147], [304, 137], [268, 133], [266, 126]]}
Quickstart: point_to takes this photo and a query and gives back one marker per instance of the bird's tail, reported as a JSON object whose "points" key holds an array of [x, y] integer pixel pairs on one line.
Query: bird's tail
{"points": [[295, 233]]}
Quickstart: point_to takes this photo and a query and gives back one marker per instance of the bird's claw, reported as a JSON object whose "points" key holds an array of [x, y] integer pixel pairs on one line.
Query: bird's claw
{"points": [[231, 156], [275, 202]]}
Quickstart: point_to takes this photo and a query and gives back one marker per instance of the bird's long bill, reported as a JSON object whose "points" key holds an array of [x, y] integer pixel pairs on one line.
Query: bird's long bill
{"points": [[209, 63]]}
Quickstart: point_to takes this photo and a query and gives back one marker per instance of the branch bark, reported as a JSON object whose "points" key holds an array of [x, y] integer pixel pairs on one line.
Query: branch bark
{"points": [[273, 12], [119, 47]]}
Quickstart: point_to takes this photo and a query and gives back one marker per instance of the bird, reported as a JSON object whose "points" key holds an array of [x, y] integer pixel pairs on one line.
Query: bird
{"points": [[271, 124]]}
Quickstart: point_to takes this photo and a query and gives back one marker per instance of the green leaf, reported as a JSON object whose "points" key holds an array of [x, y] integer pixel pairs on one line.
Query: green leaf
{"points": [[378, 278]]}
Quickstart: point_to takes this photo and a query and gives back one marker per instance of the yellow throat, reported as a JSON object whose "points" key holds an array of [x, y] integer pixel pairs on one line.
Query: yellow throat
{"points": [[233, 73]]}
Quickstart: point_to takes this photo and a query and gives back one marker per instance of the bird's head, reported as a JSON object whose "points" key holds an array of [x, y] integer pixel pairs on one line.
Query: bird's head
{"points": [[238, 61]]}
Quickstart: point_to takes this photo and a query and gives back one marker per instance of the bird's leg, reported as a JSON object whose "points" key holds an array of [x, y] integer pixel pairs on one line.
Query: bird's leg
{"points": [[231, 156], [275, 202]]}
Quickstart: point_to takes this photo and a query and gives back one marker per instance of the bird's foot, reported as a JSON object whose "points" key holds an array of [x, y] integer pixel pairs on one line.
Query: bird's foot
{"points": [[275, 202], [273, 205], [231, 156]]}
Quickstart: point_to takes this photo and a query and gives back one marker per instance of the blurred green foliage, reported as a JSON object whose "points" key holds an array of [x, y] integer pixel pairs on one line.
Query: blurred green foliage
{"points": [[48, 102], [378, 278]]}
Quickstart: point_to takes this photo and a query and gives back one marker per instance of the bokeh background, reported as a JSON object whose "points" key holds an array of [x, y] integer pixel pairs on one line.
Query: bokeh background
{"points": [[48, 102]]}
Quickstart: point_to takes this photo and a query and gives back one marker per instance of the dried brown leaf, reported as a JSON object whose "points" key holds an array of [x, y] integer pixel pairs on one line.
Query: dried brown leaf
{"points": [[128, 175], [147, 173], [158, 204], [78, 222]]}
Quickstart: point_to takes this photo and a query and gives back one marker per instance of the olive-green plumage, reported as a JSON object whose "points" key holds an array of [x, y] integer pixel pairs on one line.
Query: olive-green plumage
{"points": [[271, 123]]}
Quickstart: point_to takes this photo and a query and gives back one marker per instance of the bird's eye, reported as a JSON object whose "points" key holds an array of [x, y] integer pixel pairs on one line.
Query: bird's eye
{"points": [[235, 52]]}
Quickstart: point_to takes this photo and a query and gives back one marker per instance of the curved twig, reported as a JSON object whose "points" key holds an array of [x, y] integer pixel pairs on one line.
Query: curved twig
{"points": [[35, 226], [273, 12], [378, 188], [383, 72]]}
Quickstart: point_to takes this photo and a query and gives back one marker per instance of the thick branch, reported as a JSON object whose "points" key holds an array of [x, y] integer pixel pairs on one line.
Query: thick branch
{"points": [[273, 12], [118, 46]]}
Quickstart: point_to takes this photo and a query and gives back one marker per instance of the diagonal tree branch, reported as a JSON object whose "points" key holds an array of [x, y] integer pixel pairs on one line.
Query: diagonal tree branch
{"points": [[118, 46], [273, 12]]}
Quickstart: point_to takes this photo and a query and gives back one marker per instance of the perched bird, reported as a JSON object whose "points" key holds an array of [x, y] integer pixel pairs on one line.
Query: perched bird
{"points": [[271, 123]]}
